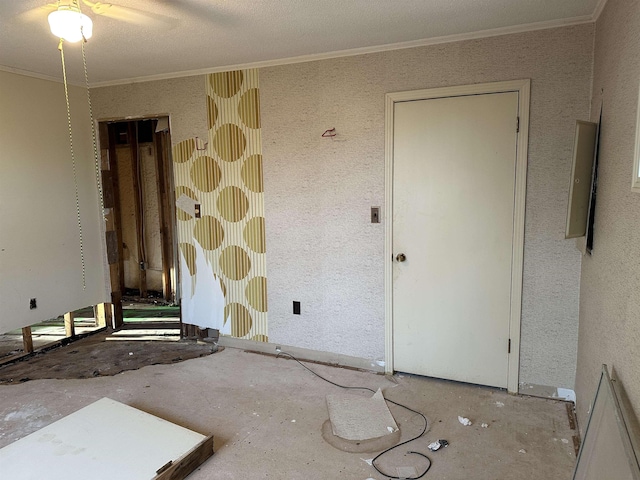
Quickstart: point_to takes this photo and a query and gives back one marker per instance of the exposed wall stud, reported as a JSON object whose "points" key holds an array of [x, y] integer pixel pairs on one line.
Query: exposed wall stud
{"points": [[27, 340], [69, 326]]}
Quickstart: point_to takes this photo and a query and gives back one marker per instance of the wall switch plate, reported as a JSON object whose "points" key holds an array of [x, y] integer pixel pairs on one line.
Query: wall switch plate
{"points": [[375, 214], [32, 304], [296, 308]]}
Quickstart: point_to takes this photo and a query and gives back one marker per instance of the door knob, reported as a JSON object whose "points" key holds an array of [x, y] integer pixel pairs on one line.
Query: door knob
{"points": [[401, 257]]}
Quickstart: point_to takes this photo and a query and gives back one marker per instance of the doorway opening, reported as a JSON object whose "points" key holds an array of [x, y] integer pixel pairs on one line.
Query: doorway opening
{"points": [[140, 228]]}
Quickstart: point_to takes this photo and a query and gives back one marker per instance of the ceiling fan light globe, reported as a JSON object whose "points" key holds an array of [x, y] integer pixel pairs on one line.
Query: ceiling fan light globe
{"points": [[70, 24]]}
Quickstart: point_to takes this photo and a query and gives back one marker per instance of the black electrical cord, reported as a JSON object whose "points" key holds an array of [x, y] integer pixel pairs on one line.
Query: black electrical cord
{"points": [[373, 462]]}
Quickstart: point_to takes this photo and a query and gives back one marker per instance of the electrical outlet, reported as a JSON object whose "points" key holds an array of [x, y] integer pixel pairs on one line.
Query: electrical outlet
{"points": [[296, 308], [32, 304]]}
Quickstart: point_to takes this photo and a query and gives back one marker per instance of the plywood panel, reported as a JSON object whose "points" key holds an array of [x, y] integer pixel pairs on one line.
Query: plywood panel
{"points": [[105, 440]]}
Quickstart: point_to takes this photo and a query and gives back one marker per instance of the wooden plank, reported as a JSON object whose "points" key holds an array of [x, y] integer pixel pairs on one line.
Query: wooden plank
{"points": [[113, 233], [106, 440], [112, 247], [69, 326], [166, 230], [116, 301], [102, 314], [117, 283], [107, 189], [137, 194], [188, 463], [27, 340], [103, 134]]}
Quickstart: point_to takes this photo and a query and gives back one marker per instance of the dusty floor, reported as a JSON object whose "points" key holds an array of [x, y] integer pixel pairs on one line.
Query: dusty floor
{"points": [[267, 413], [132, 347]]}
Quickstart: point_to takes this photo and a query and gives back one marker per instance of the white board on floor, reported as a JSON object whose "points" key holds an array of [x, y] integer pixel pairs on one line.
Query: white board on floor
{"points": [[105, 440]]}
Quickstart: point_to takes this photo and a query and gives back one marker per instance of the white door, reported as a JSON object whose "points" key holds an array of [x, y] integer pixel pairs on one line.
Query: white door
{"points": [[454, 162]]}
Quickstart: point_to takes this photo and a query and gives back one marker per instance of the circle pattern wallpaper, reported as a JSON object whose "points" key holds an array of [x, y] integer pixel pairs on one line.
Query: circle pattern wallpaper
{"points": [[224, 177]]}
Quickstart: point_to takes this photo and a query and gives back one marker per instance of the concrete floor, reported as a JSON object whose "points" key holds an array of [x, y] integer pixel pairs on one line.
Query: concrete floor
{"points": [[266, 415]]}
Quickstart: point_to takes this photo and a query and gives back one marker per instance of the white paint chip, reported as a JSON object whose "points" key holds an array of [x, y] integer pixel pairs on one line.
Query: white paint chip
{"points": [[522, 450], [367, 461], [485, 425], [187, 204], [499, 404], [293, 421], [564, 440], [567, 394], [464, 421]]}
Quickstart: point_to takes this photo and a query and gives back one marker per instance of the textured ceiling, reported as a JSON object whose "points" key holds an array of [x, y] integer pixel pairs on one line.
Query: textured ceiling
{"points": [[187, 35]]}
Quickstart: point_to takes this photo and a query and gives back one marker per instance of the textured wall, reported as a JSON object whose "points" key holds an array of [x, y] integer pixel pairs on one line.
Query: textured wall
{"points": [[39, 238], [183, 99], [322, 249], [609, 301]]}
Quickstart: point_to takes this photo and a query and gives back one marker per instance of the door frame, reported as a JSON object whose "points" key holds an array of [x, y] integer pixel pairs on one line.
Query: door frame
{"points": [[523, 88], [113, 256]]}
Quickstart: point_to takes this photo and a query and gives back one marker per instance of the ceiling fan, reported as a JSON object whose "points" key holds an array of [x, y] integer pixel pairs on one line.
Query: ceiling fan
{"points": [[110, 10]]}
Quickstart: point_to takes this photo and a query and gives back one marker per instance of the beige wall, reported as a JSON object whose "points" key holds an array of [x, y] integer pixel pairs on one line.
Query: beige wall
{"points": [[322, 248], [39, 238], [183, 99], [609, 304]]}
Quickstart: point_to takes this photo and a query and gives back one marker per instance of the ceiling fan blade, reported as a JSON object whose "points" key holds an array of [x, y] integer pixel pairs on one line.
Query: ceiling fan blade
{"points": [[210, 12], [38, 13], [127, 14]]}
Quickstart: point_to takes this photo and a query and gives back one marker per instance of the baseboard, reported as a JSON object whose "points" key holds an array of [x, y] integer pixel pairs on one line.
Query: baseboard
{"points": [[302, 353], [546, 391]]}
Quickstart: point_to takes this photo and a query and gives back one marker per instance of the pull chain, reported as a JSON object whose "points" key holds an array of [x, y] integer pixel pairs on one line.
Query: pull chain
{"points": [[73, 163], [93, 135]]}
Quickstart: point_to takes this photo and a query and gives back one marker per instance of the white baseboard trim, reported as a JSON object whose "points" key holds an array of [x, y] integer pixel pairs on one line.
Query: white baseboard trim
{"points": [[303, 354], [545, 391]]}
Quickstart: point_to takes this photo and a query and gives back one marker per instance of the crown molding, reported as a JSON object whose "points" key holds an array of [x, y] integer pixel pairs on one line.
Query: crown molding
{"points": [[598, 10], [495, 32], [27, 73]]}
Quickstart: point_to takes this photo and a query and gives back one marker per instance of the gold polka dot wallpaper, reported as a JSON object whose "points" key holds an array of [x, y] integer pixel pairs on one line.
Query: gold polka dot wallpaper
{"points": [[223, 249]]}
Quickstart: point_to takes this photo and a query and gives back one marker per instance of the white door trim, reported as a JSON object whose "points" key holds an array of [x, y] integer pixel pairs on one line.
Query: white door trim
{"points": [[523, 87]]}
